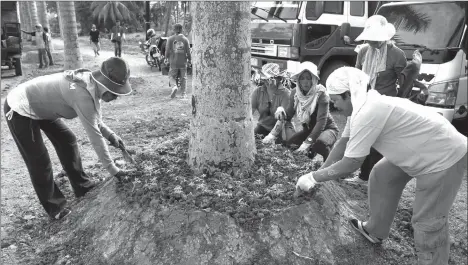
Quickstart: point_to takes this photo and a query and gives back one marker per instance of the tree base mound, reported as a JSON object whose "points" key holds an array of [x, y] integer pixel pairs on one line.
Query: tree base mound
{"points": [[163, 214]]}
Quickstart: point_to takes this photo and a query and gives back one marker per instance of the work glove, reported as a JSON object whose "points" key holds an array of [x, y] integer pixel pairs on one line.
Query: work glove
{"points": [[116, 141], [303, 148], [280, 113], [269, 139], [306, 182]]}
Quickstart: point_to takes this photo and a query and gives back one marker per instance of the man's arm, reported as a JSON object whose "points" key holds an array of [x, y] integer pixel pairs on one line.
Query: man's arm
{"points": [[187, 49], [337, 153], [90, 120], [339, 169], [30, 33]]}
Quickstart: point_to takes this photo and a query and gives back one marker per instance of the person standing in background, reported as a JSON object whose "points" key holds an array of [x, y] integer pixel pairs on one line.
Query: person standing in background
{"points": [[117, 34], [48, 44], [94, 39], [178, 55], [40, 43]]}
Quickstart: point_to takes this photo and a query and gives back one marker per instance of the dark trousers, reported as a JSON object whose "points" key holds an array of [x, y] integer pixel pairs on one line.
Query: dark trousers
{"points": [[49, 55], [42, 57], [27, 135], [118, 48], [369, 163], [322, 145]]}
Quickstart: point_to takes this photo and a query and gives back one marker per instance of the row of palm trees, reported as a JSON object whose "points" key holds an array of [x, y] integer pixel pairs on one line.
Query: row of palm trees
{"points": [[35, 12]]}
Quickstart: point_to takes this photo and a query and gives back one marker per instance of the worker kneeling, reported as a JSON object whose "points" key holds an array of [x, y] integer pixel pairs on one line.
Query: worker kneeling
{"points": [[416, 142]]}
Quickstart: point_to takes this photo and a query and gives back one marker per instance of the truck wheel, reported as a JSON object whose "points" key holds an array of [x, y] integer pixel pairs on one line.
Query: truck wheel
{"points": [[327, 70], [18, 70]]}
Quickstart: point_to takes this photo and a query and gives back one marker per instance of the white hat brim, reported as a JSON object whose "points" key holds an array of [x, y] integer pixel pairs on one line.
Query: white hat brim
{"points": [[375, 34]]}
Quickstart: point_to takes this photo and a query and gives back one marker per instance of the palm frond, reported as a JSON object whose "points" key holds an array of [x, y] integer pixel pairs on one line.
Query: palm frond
{"points": [[124, 11], [117, 13], [105, 12], [407, 18]]}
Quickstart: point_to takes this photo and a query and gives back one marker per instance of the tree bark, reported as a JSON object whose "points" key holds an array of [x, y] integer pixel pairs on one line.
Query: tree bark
{"points": [[25, 23], [59, 17], [222, 125], [168, 17], [73, 59], [34, 18], [42, 13]]}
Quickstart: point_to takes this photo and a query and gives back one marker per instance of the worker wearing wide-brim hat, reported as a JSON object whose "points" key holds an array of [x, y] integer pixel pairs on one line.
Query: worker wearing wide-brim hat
{"points": [[383, 62], [309, 102], [270, 100], [39, 104], [416, 142]]}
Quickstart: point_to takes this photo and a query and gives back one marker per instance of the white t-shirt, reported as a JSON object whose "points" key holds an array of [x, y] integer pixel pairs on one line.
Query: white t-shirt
{"points": [[413, 137]]}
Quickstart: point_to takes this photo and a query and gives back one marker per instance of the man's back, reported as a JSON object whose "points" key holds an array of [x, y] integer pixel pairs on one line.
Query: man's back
{"points": [[412, 136], [178, 51]]}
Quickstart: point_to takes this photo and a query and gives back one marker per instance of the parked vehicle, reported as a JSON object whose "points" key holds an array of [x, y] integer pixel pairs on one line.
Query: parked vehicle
{"points": [[438, 30], [288, 33], [153, 55], [11, 38]]}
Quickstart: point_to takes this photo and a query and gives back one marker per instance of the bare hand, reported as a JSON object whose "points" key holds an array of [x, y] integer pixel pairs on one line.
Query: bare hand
{"points": [[116, 141]]}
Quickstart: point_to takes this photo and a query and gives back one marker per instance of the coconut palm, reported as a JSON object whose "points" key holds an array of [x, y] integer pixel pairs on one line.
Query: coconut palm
{"points": [[42, 13], [407, 18], [73, 58], [112, 11]]}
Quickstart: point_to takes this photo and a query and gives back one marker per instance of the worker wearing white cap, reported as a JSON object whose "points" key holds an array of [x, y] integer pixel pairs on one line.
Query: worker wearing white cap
{"points": [[383, 62], [416, 142]]}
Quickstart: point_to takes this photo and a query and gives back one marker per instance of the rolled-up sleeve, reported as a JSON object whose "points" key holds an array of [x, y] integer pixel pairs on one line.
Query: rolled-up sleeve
{"points": [[96, 131]]}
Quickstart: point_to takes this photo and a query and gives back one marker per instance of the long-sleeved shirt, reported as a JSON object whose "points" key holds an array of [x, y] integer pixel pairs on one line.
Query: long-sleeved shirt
{"points": [[319, 121], [41, 43], [386, 80], [66, 95], [259, 101], [178, 51]]}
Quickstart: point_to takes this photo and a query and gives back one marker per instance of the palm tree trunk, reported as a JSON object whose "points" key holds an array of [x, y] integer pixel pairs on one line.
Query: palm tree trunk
{"points": [[42, 13], [73, 59], [25, 20], [59, 16], [221, 128], [34, 18], [168, 17]]}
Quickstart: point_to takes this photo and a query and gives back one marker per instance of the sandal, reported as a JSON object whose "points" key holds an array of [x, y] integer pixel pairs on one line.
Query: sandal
{"points": [[358, 226]]}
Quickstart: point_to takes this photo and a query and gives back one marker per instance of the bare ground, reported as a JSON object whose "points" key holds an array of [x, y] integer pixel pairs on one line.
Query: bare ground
{"points": [[146, 119]]}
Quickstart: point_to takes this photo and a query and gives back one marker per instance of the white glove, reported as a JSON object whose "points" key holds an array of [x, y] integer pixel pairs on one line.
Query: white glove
{"points": [[269, 139], [306, 182], [280, 114], [303, 148]]}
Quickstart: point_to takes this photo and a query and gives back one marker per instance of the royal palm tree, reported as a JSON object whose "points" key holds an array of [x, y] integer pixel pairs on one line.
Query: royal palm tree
{"points": [[112, 11], [73, 59]]}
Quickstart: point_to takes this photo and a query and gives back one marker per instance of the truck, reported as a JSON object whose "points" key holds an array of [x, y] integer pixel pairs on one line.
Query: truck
{"points": [[11, 37], [438, 30], [288, 33]]}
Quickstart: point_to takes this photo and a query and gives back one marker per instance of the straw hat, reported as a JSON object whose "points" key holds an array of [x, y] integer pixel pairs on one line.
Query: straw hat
{"points": [[311, 67], [114, 75], [377, 28]]}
